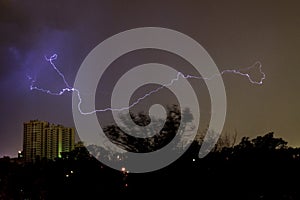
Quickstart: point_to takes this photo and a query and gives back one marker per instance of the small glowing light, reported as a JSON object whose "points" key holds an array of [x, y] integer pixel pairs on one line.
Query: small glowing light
{"points": [[19, 151], [118, 157], [194, 159], [127, 171], [123, 169], [67, 175], [71, 172], [126, 185]]}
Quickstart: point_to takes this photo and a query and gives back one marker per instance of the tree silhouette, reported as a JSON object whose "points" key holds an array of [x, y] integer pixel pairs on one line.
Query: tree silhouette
{"points": [[261, 143], [268, 142], [119, 135]]}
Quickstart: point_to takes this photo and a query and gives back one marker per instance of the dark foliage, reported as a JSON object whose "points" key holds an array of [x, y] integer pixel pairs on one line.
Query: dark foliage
{"points": [[261, 168]]}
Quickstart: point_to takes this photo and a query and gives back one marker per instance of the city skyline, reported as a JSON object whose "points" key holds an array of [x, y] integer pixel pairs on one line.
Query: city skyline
{"points": [[44, 140]]}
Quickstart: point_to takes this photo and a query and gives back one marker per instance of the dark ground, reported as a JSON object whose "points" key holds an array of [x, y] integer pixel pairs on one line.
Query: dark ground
{"points": [[262, 168]]}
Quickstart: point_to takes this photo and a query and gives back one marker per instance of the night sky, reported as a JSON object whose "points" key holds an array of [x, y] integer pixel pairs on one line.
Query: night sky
{"points": [[235, 34]]}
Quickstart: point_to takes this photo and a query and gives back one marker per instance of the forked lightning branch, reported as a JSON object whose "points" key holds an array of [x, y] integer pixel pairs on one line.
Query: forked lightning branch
{"points": [[33, 85]]}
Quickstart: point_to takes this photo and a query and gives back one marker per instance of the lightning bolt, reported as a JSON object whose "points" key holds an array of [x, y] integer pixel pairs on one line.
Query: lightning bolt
{"points": [[68, 88]]}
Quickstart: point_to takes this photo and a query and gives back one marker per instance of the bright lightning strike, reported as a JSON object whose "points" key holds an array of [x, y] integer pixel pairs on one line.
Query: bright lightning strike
{"points": [[68, 88]]}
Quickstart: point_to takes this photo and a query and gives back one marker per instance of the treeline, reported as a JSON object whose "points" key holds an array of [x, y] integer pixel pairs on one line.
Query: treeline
{"points": [[261, 168]]}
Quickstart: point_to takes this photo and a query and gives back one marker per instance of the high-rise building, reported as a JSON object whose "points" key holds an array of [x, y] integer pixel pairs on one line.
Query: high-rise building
{"points": [[32, 141], [45, 140]]}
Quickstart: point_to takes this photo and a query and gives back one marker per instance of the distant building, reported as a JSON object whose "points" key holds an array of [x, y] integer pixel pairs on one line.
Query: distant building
{"points": [[45, 140], [79, 144]]}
